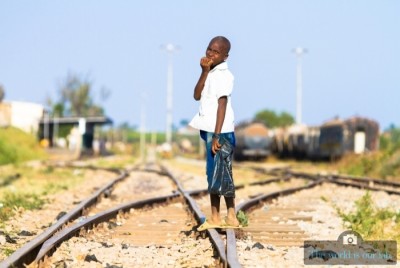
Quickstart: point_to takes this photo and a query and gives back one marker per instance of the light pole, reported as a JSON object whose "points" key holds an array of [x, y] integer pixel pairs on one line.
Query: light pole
{"points": [[299, 51], [170, 48], [143, 126]]}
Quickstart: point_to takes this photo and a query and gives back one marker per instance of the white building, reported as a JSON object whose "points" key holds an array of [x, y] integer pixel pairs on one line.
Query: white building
{"points": [[22, 115]]}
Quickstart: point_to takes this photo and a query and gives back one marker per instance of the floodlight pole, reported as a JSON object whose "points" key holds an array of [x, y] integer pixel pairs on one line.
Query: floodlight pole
{"points": [[299, 52], [170, 48]]}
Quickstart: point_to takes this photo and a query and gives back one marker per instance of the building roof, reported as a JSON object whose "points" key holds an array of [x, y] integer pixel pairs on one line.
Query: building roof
{"points": [[100, 120]]}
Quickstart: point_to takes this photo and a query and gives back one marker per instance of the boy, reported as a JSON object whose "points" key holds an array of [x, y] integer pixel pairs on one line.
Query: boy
{"points": [[215, 118]]}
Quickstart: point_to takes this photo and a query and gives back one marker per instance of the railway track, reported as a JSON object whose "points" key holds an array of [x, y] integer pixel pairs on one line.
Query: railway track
{"points": [[148, 208], [390, 187], [148, 222]]}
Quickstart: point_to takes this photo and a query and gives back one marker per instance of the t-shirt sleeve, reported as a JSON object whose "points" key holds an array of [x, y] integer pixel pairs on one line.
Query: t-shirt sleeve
{"points": [[223, 85]]}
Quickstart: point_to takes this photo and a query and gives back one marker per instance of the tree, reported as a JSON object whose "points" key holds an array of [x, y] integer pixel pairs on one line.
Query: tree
{"points": [[286, 119], [271, 119], [76, 98], [2, 93]]}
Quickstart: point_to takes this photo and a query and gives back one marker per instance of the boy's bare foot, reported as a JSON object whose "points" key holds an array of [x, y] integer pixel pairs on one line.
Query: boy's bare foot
{"points": [[215, 221], [232, 221]]}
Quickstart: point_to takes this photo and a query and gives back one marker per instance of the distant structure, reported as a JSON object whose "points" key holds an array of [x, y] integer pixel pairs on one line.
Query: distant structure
{"points": [[34, 119], [83, 127], [22, 115]]}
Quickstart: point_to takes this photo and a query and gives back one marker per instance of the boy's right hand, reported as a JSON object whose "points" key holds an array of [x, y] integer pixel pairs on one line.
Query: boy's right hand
{"points": [[206, 63]]}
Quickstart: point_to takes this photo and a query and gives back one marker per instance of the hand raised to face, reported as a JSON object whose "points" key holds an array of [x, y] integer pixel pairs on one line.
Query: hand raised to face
{"points": [[206, 63]]}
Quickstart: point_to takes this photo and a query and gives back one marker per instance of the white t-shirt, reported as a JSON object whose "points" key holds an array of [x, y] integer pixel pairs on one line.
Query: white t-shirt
{"points": [[219, 83]]}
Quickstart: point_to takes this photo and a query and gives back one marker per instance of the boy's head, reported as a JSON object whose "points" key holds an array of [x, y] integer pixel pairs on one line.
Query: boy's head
{"points": [[218, 50]]}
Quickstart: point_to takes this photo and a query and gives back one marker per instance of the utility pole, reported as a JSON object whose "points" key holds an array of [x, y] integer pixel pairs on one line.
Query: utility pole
{"points": [[299, 51], [143, 127], [170, 48]]}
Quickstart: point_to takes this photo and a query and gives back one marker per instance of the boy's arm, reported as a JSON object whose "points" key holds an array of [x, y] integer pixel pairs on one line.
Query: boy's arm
{"points": [[200, 85], [222, 102], [205, 64]]}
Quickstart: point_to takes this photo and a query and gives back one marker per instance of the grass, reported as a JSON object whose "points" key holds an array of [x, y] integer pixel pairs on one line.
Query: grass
{"points": [[29, 191], [11, 201], [377, 165], [17, 146]]}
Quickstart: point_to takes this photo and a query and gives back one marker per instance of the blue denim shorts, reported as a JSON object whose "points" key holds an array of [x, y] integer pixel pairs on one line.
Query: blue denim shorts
{"points": [[207, 137]]}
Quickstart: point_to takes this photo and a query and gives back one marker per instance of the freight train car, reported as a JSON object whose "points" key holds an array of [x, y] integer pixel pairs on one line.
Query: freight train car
{"points": [[354, 135], [253, 141], [291, 141], [331, 140]]}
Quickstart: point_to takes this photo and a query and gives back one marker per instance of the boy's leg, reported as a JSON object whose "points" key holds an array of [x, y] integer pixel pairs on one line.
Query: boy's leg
{"points": [[231, 218], [215, 204], [230, 201], [214, 199]]}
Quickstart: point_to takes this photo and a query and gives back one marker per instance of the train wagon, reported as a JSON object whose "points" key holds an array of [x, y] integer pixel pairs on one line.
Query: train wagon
{"points": [[253, 141], [291, 141], [354, 135], [331, 140]]}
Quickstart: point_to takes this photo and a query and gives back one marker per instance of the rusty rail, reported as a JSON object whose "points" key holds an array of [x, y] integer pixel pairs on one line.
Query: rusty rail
{"points": [[27, 253]]}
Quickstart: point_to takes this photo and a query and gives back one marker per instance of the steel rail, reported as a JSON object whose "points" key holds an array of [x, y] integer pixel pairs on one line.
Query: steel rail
{"points": [[27, 253], [264, 170], [83, 166], [228, 254], [231, 251], [247, 205], [366, 179], [89, 222], [200, 192], [212, 233], [363, 186], [38, 248]]}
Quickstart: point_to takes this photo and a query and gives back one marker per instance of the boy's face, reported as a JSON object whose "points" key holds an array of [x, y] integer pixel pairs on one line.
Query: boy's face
{"points": [[216, 52]]}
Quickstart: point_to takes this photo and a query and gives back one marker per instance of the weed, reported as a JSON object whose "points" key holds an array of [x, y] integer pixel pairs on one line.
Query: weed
{"points": [[242, 218], [51, 187], [391, 166], [367, 219], [49, 170], [17, 200], [8, 251], [323, 198]]}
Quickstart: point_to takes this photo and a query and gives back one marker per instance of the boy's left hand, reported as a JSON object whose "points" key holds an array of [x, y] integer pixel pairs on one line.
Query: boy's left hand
{"points": [[215, 146]]}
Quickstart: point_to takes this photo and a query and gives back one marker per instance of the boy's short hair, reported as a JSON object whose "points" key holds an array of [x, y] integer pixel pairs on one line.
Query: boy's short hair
{"points": [[225, 41]]}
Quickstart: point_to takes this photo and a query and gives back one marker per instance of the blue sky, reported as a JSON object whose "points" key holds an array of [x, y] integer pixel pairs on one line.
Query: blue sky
{"points": [[351, 68]]}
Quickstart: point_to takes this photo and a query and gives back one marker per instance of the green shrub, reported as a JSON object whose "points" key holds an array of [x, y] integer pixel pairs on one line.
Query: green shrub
{"points": [[17, 146], [367, 220]]}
